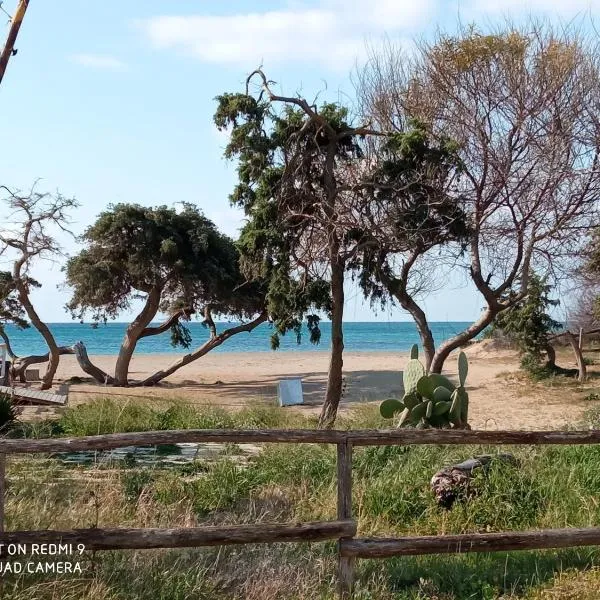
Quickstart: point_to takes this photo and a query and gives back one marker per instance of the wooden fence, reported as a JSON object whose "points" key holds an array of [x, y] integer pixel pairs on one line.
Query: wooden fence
{"points": [[342, 529]]}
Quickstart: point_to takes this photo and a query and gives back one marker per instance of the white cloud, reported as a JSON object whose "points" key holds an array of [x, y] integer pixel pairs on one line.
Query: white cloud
{"points": [[333, 33], [549, 8], [98, 61]]}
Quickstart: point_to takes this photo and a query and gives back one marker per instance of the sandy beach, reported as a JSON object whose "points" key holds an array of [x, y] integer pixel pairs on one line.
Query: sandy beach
{"points": [[500, 399]]}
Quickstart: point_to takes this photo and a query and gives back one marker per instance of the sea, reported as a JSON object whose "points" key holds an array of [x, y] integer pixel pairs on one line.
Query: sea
{"points": [[358, 337]]}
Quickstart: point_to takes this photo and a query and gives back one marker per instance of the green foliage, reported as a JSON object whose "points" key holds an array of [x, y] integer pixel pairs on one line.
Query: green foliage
{"points": [[132, 250], [285, 236], [430, 400], [11, 310], [417, 210], [106, 415], [529, 325], [134, 483]]}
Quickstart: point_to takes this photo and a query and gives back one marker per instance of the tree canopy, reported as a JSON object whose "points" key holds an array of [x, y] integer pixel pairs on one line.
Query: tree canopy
{"points": [[521, 105], [175, 261], [294, 162]]}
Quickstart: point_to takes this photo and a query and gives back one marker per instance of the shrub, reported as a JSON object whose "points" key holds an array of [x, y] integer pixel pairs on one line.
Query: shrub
{"points": [[8, 413]]}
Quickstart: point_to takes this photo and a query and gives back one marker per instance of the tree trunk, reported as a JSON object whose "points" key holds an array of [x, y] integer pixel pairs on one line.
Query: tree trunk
{"points": [[460, 339], [7, 343], [397, 287], [578, 355], [88, 367], [551, 354], [420, 319], [44, 330], [133, 334], [335, 375], [204, 349]]}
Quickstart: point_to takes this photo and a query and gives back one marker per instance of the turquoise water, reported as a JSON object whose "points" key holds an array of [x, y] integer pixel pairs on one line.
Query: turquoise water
{"points": [[106, 339]]}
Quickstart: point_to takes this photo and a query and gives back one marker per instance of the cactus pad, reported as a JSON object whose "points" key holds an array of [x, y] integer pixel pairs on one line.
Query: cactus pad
{"points": [[463, 368], [441, 408], [413, 371], [425, 387], [439, 380], [389, 407], [441, 394]]}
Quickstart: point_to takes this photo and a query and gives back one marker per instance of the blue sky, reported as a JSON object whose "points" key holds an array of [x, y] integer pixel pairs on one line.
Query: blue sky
{"points": [[113, 101]]}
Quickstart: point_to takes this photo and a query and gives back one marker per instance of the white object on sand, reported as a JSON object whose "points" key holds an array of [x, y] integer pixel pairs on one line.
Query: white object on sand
{"points": [[289, 392]]}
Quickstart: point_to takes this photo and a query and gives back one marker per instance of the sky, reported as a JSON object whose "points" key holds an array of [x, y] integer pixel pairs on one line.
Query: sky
{"points": [[113, 101]]}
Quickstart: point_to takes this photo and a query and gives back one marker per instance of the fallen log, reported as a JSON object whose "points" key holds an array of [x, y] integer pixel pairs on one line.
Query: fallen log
{"points": [[454, 482]]}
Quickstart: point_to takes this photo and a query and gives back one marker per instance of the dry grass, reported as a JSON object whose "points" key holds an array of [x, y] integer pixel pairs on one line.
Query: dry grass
{"points": [[555, 487]]}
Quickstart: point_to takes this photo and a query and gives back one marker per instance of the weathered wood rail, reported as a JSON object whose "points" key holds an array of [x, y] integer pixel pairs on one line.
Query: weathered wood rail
{"points": [[343, 529]]}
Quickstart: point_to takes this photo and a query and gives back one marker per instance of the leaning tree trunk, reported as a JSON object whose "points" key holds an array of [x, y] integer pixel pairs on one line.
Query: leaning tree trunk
{"points": [[132, 335], [578, 355], [420, 319], [444, 349], [20, 364], [333, 394], [88, 367], [44, 330], [211, 344]]}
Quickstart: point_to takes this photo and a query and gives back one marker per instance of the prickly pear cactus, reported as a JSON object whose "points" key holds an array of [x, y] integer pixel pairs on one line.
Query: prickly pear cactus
{"points": [[414, 352], [412, 373], [463, 368], [430, 400]]}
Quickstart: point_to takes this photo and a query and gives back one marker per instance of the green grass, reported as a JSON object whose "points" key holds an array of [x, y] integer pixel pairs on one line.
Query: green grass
{"points": [[106, 415], [554, 486]]}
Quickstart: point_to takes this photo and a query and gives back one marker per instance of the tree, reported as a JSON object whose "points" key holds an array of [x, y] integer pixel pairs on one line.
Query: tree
{"points": [[296, 164], [10, 310], [412, 208], [29, 235], [177, 263], [530, 326], [521, 105]]}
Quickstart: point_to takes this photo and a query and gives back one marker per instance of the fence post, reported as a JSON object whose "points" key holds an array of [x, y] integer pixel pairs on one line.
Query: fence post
{"points": [[2, 488], [344, 508]]}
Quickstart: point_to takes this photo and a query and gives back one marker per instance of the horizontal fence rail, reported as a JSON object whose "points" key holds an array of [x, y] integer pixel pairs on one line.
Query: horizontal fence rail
{"points": [[146, 539], [475, 542], [343, 529], [366, 437]]}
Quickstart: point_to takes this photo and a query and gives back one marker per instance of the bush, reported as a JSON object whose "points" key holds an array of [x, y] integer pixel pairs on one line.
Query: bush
{"points": [[8, 413]]}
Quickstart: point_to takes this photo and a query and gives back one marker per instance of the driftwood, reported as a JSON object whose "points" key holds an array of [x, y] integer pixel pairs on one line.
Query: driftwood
{"points": [[88, 367], [454, 483]]}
